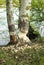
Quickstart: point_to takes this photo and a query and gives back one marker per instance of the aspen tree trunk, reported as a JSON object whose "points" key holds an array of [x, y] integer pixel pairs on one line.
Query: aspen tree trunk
{"points": [[24, 19], [10, 20]]}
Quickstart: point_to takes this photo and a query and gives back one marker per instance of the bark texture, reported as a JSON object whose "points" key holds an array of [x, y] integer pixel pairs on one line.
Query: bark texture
{"points": [[24, 19], [10, 20]]}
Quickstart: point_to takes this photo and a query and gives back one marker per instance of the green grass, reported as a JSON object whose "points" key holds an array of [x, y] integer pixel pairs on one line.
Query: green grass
{"points": [[3, 3], [28, 56]]}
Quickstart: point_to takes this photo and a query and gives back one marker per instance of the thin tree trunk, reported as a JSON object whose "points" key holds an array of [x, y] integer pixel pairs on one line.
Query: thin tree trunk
{"points": [[10, 20], [24, 19]]}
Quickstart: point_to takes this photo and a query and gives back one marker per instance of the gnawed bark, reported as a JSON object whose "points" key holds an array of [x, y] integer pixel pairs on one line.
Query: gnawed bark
{"points": [[24, 19]]}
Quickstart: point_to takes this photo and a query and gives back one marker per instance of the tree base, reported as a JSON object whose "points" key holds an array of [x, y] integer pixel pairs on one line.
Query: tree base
{"points": [[13, 39], [23, 39]]}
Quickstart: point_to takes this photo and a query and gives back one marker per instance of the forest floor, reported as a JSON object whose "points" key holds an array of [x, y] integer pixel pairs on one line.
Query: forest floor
{"points": [[24, 55]]}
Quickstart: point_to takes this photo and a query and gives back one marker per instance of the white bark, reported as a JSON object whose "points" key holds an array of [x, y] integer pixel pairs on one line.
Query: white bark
{"points": [[24, 19], [10, 19], [23, 5]]}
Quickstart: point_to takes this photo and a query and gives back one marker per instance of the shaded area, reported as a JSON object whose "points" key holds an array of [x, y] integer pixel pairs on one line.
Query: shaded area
{"points": [[32, 34]]}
